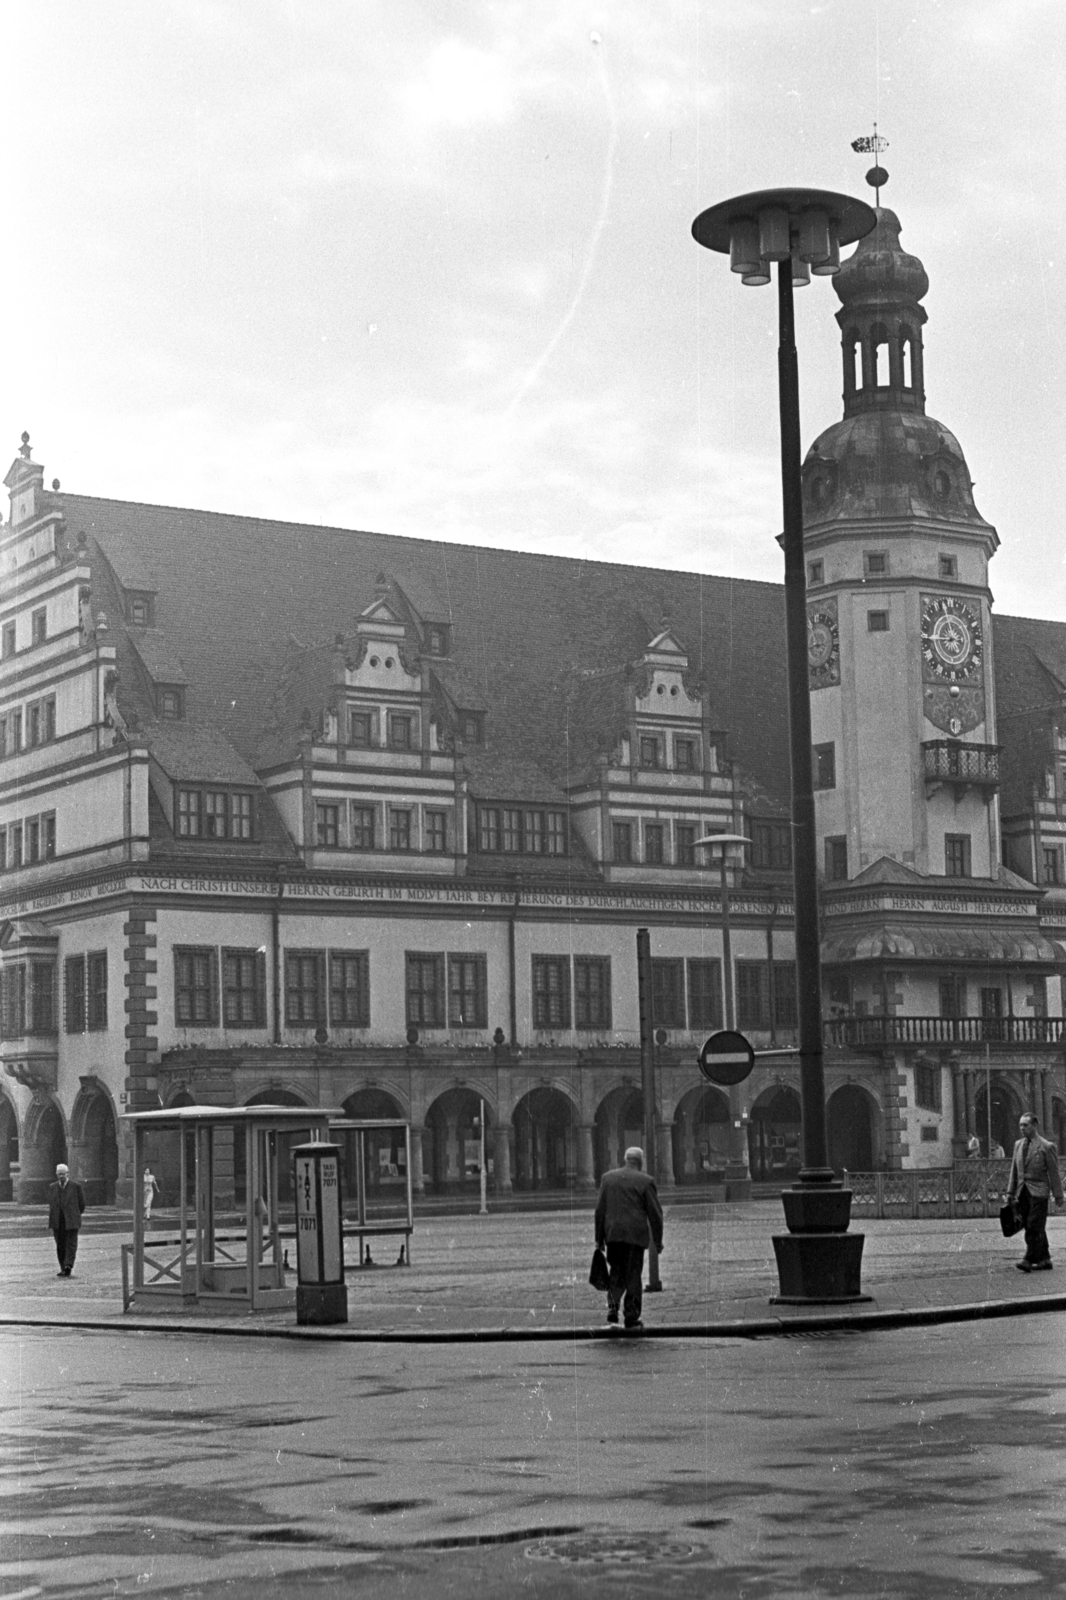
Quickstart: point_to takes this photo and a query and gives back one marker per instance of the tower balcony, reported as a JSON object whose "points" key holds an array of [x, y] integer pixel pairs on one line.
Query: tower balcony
{"points": [[964, 766], [885, 1032]]}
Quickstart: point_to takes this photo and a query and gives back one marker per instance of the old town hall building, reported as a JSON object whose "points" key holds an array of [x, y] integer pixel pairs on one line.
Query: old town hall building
{"points": [[309, 815]]}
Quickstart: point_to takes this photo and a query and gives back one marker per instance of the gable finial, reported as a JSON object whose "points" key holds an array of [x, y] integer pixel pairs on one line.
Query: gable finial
{"points": [[872, 145], [24, 451]]}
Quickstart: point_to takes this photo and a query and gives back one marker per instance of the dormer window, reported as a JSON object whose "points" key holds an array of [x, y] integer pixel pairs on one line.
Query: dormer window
{"points": [[942, 485], [204, 813], [140, 610], [471, 726], [171, 703], [437, 641]]}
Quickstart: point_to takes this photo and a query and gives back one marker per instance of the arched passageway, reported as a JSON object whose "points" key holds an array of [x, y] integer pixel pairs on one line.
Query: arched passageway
{"points": [[43, 1146], [386, 1150], [774, 1142], [701, 1136], [95, 1147], [544, 1141], [9, 1147], [849, 1119], [452, 1142], [619, 1124], [1006, 1109]]}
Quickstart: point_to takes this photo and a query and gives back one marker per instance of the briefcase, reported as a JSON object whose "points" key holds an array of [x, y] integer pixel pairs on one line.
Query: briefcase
{"points": [[599, 1272], [1009, 1220]]}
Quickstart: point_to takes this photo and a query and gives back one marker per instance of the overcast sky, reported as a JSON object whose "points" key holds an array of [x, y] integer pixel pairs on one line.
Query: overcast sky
{"points": [[426, 267]]}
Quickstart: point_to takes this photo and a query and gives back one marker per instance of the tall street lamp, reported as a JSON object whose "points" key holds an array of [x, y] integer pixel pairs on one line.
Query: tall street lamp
{"points": [[728, 850], [801, 230]]}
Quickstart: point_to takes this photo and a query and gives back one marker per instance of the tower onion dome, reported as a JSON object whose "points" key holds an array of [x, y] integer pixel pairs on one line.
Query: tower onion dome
{"points": [[886, 459]]}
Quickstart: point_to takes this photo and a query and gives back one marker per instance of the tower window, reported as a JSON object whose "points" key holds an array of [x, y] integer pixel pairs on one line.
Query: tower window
{"points": [[942, 485], [906, 352], [877, 621], [815, 572], [852, 361], [957, 855], [825, 766], [875, 563], [879, 351], [948, 566], [39, 625], [836, 859]]}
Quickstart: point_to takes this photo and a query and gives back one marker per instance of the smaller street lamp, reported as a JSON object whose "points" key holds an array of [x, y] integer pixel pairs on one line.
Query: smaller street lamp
{"points": [[728, 850]]}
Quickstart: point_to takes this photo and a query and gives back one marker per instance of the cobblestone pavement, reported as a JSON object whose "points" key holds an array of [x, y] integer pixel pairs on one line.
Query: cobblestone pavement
{"points": [[527, 1273]]}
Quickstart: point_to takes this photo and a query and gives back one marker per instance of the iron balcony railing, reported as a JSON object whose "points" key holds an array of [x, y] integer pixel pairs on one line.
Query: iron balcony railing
{"points": [[950, 761], [857, 1033], [971, 1189]]}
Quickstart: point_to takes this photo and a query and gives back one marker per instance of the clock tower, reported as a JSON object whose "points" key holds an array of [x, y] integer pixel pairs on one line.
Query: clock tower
{"points": [[902, 699]]}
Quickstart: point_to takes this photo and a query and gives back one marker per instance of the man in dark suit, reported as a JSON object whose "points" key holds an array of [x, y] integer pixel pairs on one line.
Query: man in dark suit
{"points": [[66, 1202], [628, 1214], [1034, 1177]]}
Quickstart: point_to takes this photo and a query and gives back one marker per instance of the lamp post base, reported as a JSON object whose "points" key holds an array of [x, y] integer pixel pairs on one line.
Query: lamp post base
{"points": [[319, 1304], [818, 1267], [738, 1181]]}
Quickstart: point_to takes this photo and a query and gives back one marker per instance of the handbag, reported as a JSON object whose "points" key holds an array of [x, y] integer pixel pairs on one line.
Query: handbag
{"points": [[599, 1272], [1009, 1220]]}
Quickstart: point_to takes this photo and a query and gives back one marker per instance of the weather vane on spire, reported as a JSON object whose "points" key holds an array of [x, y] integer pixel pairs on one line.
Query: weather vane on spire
{"points": [[872, 145]]}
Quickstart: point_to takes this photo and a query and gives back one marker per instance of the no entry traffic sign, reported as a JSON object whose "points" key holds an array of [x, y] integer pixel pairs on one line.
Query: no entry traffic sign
{"points": [[726, 1057]]}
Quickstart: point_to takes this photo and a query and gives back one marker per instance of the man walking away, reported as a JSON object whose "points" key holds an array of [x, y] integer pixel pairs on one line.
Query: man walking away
{"points": [[1034, 1177], [628, 1215], [66, 1202]]}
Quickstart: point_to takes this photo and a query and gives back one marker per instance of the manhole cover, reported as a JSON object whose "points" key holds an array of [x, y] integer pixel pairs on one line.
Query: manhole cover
{"points": [[610, 1550]]}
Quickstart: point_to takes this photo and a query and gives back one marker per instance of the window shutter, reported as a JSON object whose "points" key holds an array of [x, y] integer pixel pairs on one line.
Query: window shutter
{"points": [[321, 980], [212, 988], [260, 988]]}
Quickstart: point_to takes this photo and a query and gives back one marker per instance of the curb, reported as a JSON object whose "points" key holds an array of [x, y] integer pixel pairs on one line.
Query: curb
{"points": [[747, 1328]]}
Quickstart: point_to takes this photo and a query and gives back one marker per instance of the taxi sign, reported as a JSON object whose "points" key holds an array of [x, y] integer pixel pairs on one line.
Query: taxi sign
{"points": [[726, 1057]]}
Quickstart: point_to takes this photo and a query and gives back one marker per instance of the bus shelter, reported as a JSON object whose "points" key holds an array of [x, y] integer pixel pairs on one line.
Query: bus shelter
{"points": [[225, 1270], [370, 1146]]}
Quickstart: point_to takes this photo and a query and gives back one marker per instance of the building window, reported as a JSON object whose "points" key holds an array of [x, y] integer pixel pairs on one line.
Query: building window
{"points": [[534, 836], [875, 563], [653, 843], [42, 997], [74, 994], [425, 990], [592, 991], [489, 836], [555, 833], [815, 572], [514, 831], [171, 705], [551, 992], [188, 813], [948, 567], [240, 816], [401, 731], [468, 999], [685, 844], [195, 987], [436, 837], [957, 855], [510, 831], [622, 841], [140, 611], [14, 1001], [942, 485], [96, 977], [14, 839], [7, 640], [362, 837], [1052, 855], [243, 989], [754, 1008], [668, 993], [952, 988], [836, 858], [877, 622], [771, 845], [41, 721], [705, 994], [360, 729], [399, 830], [825, 766], [305, 984], [11, 733], [649, 750], [33, 840], [685, 755], [213, 812], [927, 1092], [349, 988], [327, 826], [39, 625]]}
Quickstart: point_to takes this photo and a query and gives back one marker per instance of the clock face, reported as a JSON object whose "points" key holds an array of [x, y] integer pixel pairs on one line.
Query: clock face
{"points": [[951, 640], [823, 645]]}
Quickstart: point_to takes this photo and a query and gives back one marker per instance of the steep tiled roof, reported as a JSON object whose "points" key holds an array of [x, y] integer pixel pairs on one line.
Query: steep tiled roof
{"points": [[495, 776], [232, 590], [160, 661], [197, 753], [1030, 667]]}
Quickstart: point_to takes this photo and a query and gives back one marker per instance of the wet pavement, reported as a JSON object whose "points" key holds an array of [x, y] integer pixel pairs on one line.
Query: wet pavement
{"points": [[910, 1463], [525, 1275]]}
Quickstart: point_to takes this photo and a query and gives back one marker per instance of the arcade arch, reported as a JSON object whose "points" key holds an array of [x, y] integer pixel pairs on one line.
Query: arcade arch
{"points": [[700, 1135], [1007, 1107], [545, 1140], [94, 1145], [452, 1141], [9, 1147], [285, 1142], [850, 1124], [619, 1123], [774, 1144], [386, 1150], [43, 1146]]}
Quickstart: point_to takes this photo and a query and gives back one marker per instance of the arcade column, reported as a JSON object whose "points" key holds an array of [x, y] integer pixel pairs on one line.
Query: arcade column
{"points": [[586, 1161], [418, 1176], [502, 1162], [664, 1155]]}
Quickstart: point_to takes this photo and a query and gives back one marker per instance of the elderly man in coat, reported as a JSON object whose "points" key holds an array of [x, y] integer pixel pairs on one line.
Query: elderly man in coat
{"points": [[1034, 1178], [66, 1202], [628, 1214]]}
